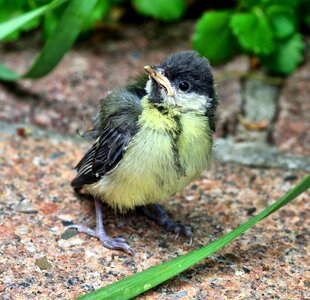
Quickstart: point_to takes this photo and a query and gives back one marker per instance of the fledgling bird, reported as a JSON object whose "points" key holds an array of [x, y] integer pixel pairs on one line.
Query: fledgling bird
{"points": [[151, 140]]}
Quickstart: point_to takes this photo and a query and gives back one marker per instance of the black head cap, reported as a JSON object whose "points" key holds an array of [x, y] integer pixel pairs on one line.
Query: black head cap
{"points": [[191, 67]]}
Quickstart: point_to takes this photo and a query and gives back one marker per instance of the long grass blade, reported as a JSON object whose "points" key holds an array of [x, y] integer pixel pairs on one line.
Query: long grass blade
{"points": [[60, 41], [134, 285], [10, 26]]}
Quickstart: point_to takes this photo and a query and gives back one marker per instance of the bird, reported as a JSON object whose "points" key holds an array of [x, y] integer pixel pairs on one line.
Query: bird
{"points": [[150, 140]]}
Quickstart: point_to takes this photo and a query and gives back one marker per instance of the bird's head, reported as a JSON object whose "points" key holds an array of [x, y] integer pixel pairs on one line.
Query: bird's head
{"points": [[183, 80]]}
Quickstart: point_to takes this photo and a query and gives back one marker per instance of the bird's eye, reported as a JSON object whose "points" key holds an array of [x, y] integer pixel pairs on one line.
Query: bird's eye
{"points": [[184, 86]]}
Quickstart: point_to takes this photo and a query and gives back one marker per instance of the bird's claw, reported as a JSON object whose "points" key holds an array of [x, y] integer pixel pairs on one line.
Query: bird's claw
{"points": [[116, 243], [182, 229], [158, 214], [107, 241]]}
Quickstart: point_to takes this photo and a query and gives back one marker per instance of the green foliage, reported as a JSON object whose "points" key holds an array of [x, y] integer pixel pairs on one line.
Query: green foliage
{"points": [[163, 10], [253, 31], [11, 9], [159, 9], [98, 13], [268, 29], [207, 39], [282, 20], [15, 25], [287, 55], [60, 41]]}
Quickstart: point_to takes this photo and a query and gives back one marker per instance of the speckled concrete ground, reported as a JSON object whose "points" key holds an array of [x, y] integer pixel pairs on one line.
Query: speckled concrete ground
{"points": [[40, 260]]}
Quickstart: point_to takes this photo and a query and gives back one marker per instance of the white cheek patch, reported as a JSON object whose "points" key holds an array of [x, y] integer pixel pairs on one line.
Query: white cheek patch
{"points": [[192, 101]]}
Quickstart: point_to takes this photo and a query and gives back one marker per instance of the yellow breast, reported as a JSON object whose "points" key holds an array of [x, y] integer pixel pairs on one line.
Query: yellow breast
{"points": [[170, 149]]}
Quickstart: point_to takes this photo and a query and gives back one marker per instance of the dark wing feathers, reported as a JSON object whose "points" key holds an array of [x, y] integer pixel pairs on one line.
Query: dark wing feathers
{"points": [[84, 169], [110, 151], [116, 126]]}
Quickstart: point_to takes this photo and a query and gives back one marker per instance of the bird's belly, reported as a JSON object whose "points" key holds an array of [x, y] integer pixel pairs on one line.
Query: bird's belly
{"points": [[155, 166]]}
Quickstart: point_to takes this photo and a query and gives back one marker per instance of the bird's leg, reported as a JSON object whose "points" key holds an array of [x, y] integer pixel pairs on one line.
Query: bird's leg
{"points": [[157, 213], [100, 233]]}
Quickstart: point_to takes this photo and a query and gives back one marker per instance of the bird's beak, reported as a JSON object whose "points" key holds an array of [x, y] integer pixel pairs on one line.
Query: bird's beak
{"points": [[158, 75]]}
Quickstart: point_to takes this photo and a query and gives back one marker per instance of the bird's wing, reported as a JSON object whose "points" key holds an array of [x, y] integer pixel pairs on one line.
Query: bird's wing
{"points": [[119, 114], [136, 90]]}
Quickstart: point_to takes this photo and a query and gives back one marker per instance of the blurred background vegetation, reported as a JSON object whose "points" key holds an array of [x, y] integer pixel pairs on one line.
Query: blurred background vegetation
{"points": [[270, 31]]}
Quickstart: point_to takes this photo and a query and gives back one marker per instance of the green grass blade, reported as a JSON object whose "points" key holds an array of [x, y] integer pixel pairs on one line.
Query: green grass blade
{"points": [[59, 42], [8, 74], [62, 39], [134, 285], [10, 26]]}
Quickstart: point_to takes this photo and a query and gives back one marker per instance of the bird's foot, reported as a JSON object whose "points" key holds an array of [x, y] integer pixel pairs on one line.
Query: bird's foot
{"points": [[178, 229], [106, 241], [158, 214]]}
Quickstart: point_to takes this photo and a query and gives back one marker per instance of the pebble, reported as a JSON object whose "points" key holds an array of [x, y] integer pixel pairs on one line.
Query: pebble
{"points": [[250, 211], [54, 229], [38, 161], [21, 230], [76, 241], [43, 263], [239, 273], [177, 295], [30, 247], [191, 197], [56, 155], [69, 234], [26, 207], [65, 217]]}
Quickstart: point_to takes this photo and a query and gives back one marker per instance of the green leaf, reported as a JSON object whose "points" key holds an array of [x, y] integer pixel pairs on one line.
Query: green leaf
{"points": [[99, 11], [10, 9], [8, 74], [253, 31], [31, 24], [10, 26], [12, 36], [163, 10], [50, 22], [63, 37], [51, 19], [208, 42], [136, 284], [60, 41], [287, 56], [282, 19]]}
